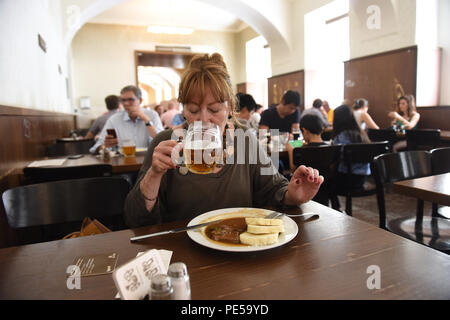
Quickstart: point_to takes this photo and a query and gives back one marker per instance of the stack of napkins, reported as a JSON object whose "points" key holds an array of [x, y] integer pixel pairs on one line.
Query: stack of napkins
{"points": [[133, 278], [47, 163]]}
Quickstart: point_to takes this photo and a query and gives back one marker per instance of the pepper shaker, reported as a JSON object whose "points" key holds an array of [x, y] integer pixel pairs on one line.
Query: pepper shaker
{"points": [[180, 281]]}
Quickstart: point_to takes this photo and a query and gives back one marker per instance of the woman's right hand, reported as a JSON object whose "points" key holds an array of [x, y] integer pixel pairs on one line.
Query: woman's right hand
{"points": [[162, 157], [393, 115]]}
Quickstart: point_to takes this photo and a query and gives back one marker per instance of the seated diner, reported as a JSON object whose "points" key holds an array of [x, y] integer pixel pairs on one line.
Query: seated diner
{"points": [[165, 193]]}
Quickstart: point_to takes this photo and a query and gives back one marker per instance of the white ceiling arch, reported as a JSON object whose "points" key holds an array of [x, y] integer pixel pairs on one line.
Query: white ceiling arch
{"points": [[264, 21]]}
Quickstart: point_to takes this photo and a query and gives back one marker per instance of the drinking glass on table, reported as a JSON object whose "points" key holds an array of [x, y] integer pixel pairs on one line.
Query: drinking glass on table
{"points": [[296, 133], [202, 147], [283, 138], [128, 147]]}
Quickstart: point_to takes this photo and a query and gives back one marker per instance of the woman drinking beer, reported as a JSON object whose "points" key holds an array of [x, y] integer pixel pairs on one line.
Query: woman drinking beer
{"points": [[167, 192]]}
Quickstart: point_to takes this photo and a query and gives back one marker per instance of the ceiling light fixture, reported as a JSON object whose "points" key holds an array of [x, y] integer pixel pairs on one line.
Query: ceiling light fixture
{"points": [[169, 30]]}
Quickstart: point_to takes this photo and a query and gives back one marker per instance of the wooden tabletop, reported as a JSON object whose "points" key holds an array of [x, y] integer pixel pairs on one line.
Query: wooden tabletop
{"points": [[433, 188], [120, 164], [328, 259], [78, 139], [445, 135]]}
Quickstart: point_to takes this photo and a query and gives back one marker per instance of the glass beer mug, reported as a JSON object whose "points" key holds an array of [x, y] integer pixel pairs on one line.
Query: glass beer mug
{"points": [[202, 147]]}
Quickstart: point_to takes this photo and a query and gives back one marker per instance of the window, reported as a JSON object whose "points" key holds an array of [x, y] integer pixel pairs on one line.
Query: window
{"points": [[258, 69], [327, 46]]}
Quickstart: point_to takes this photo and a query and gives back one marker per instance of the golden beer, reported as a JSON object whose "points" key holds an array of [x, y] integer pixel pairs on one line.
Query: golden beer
{"points": [[202, 146], [129, 151], [200, 161]]}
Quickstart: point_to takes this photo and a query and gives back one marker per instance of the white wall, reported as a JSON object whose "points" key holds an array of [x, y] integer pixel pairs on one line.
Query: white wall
{"points": [[397, 26], [444, 43], [240, 39], [29, 77], [300, 8], [103, 57]]}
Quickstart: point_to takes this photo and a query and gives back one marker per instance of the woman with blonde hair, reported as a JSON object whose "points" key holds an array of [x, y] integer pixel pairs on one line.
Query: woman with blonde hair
{"points": [[163, 192], [405, 116]]}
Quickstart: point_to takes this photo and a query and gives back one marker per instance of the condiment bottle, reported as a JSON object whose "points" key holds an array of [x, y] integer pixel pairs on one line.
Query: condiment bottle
{"points": [[180, 281], [161, 288]]}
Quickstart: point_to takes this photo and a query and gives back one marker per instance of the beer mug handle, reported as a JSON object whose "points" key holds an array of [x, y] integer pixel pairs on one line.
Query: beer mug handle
{"points": [[177, 154]]}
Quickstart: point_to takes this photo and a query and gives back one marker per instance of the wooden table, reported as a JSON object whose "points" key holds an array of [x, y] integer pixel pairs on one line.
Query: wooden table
{"points": [[328, 259], [120, 164], [78, 139], [445, 135], [435, 188]]}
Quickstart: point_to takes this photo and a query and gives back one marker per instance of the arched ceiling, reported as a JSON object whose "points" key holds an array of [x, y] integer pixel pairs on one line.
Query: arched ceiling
{"points": [[261, 18]]}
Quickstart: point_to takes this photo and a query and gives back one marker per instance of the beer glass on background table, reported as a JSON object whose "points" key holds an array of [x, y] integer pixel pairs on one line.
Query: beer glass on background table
{"points": [[297, 134], [129, 147]]}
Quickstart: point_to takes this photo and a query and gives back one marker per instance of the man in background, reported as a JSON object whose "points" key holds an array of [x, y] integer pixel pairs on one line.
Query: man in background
{"points": [[135, 123], [328, 110], [285, 116], [318, 110], [113, 105]]}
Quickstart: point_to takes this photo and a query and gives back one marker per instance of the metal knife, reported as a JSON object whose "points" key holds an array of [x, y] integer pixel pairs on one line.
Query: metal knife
{"points": [[177, 230]]}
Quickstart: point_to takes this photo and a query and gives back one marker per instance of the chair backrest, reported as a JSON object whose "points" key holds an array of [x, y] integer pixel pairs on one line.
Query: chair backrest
{"points": [[440, 160], [399, 166], [318, 157], [47, 174], [67, 148], [363, 152], [325, 159], [422, 139], [65, 201], [383, 135]]}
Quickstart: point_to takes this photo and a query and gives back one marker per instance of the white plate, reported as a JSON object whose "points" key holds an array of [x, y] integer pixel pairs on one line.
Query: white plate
{"points": [[199, 236], [141, 149]]}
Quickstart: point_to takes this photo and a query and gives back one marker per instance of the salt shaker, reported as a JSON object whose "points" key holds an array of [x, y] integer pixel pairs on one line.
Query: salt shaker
{"points": [[180, 281], [161, 288]]}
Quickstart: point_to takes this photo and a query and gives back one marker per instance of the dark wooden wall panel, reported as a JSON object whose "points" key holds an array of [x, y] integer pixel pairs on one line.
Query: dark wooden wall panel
{"points": [[25, 135], [381, 79], [256, 90], [277, 85], [434, 117]]}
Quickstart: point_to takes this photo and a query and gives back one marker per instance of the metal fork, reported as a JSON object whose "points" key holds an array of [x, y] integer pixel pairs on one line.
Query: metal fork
{"points": [[275, 215]]}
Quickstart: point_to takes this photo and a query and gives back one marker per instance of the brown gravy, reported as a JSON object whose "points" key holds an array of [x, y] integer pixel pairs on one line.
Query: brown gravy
{"points": [[227, 231]]}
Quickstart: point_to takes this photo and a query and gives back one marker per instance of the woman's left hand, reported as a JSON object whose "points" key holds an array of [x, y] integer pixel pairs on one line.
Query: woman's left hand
{"points": [[303, 186]]}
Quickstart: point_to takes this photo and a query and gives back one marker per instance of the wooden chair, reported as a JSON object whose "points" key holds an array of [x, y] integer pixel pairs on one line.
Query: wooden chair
{"points": [[383, 135], [58, 208], [67, 148], [325, 159], [440, 163], [47, 174], [359, 153], [392, 167], [422, 139]]}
